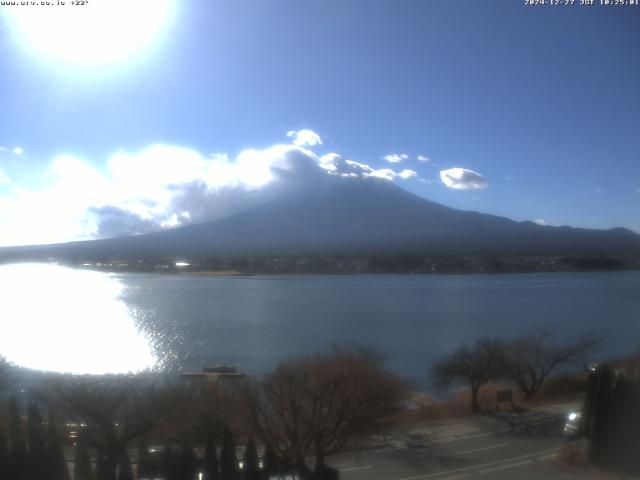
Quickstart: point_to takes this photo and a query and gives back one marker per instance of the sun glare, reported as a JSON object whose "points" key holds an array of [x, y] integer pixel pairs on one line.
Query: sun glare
{"points": [[63, 320], [93, 32]]}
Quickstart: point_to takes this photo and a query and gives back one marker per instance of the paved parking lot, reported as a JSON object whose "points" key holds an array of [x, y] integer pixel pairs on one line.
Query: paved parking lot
{"points": [[497, 447]]}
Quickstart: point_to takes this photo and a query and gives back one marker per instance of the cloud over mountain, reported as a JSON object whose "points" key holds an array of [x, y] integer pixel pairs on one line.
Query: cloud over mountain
{"points": [[463, 179], [406, 174], [188, 188], [304, 138], [165, 186]]}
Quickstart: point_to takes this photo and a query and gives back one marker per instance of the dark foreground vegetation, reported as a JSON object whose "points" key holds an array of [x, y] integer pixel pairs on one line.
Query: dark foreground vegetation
{"points": [[304, 411], [154, 425]]}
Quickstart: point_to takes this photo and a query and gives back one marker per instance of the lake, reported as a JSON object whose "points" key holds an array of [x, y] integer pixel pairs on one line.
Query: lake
{"points": [[255, 321]]}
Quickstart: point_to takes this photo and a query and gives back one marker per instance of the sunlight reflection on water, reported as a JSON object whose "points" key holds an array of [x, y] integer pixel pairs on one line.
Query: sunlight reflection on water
{"points": [[54, 318]]}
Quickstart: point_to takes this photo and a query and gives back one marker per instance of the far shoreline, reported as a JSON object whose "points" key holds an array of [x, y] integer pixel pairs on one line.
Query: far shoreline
{"points": [[241, 274], [383, 264], [210, 273]]}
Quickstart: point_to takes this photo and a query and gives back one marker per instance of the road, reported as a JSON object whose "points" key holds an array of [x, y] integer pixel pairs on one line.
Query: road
{"points": [[491, 451], [520, 447]]}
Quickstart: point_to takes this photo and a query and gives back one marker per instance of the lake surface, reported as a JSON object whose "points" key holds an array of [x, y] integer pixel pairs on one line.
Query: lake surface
{"points": [[192, 321], [256, 321]]}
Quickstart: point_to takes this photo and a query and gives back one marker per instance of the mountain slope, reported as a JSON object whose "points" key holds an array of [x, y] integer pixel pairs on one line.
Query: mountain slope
{"points": [[351, 216]]}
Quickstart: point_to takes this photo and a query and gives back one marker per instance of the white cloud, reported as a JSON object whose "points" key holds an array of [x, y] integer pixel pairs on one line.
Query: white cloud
{"points": [[173, 221], [4, 149], [358, 168], [406, 174], [304, 138], [423, 158], [349, 168], [3, 177], [331, 162], [463, 179], [396, 157], [335, 164], [540, 221], [186, 187], [384, 173]]}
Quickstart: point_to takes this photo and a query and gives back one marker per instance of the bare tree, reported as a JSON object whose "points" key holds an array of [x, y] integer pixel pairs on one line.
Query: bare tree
{"points": [[532, 357], [319, 405], [474, 365]]}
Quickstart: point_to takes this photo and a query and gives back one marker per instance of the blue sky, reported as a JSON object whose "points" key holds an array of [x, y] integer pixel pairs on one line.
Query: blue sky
{"points": [[542, 103]]}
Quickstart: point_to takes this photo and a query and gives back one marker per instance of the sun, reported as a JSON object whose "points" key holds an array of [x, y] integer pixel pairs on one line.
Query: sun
{"points": [[89, 31]]}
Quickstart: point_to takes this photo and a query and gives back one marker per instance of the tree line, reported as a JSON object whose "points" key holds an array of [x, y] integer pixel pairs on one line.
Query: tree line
{"points": [[36, 455], [526, 361]]}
